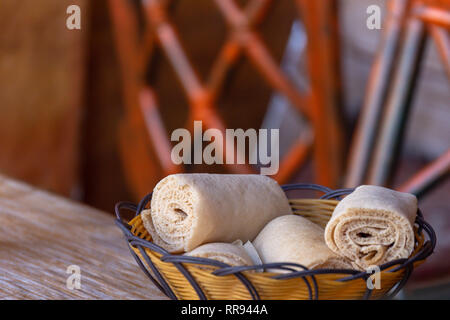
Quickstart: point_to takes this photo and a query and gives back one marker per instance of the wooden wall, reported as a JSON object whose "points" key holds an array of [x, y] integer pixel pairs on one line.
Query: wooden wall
{"points": [[41, 86]]}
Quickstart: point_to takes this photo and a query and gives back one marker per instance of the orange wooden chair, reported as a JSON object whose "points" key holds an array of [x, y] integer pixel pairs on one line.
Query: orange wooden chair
{"points": [[142, 120], [379, 134]]}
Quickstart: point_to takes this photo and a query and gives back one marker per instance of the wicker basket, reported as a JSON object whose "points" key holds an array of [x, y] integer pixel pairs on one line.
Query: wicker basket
{"points": [[183, 277]]}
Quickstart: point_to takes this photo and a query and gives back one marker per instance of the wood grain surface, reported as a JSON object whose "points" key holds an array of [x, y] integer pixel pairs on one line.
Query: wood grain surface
{"points": [[41, 235]]}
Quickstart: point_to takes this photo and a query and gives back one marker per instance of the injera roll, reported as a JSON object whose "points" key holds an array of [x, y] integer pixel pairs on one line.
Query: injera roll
{"points": [[232, 254], [373, 225], [295, 239], [188, 210]]}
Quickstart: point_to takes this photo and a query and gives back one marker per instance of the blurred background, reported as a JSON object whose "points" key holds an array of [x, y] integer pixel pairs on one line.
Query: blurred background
{"points": [[88, 113]]}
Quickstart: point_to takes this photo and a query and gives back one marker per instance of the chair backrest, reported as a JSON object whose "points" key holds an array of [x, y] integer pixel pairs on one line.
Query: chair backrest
{"points": [[142, 118]]}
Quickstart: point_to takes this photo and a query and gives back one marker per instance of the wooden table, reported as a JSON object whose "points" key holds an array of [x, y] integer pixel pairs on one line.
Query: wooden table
{"points": [[41, 235]]}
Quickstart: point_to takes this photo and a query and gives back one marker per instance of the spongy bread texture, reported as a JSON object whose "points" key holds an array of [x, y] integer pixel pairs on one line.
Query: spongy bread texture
{"points": [[188, 210], [373, 225], [295, 239], [234, 255]]}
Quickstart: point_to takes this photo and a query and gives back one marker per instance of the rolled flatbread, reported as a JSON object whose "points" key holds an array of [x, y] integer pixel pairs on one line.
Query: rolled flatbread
{"points": [[232, 254], [295, 239], [188, 210], [373, 225]]}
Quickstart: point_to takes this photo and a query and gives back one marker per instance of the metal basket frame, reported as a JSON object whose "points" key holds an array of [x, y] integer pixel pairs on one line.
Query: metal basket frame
{"points": [[224, 269]]}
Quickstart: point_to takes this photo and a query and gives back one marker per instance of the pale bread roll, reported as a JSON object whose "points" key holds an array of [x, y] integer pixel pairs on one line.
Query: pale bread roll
{"points": [[295, 239], [373, 225], [232, 254], [188, 210]]}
